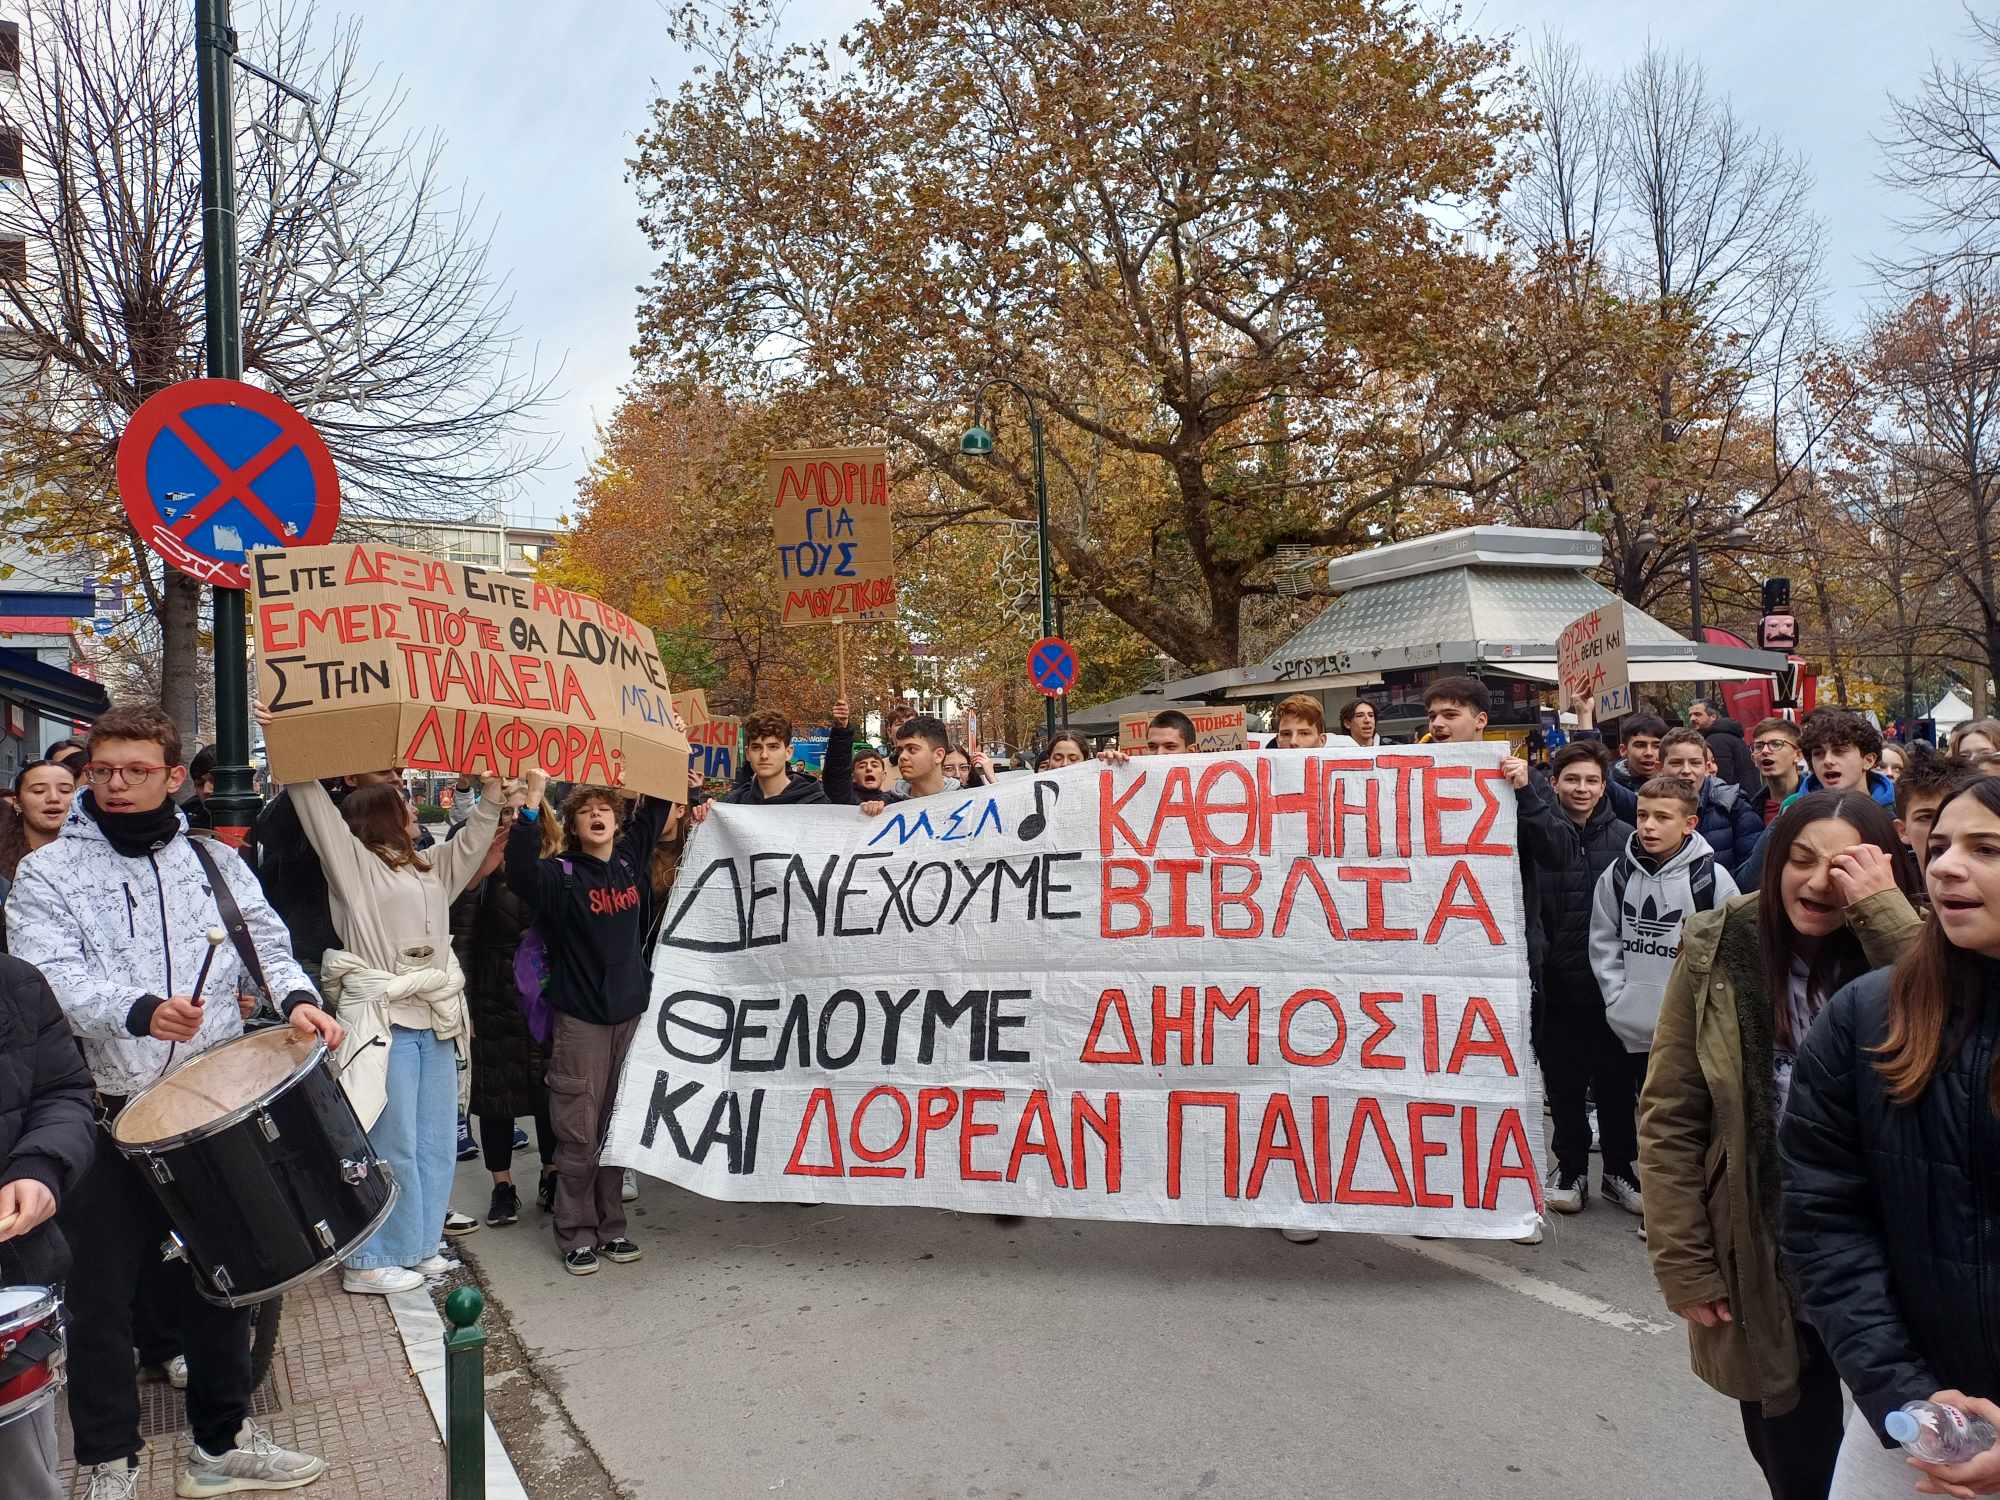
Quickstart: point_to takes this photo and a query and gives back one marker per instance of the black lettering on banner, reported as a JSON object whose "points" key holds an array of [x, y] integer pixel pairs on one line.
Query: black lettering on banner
{"points": [[661, 1107], [839, 998], [1050, 890], [840, 927], [759, 892], [671, 1015], [671, 937], [277, 664], [996, 1018], [892, 1021], [794, 1032], [940, 1011], [745, 1031]]}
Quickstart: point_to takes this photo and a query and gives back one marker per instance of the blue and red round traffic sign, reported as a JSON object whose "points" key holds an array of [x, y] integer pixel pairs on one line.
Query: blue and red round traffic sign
{"points": [[1051, 666], [210, 469]]}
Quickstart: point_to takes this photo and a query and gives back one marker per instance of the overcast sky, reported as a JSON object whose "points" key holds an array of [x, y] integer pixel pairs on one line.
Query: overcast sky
{"points": [[540, 103]]}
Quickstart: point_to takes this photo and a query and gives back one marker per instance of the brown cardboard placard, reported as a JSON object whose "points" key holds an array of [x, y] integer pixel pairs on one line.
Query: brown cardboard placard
{"points": [[371, 657], [714, 748], [831, 523], [1214, 728], [692, 705]]}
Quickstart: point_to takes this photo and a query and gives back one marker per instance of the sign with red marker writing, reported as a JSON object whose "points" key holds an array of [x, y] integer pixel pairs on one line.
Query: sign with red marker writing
{"points": [[370, 657], [1591, 662], [1284, 989], [830, 515], [1214, 728]]}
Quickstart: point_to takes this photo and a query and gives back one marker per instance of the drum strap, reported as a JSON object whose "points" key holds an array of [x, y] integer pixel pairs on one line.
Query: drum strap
{"points": [[232, 918]]}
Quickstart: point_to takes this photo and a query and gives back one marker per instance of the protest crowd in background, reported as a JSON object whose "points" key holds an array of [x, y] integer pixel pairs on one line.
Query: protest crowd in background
{"points": [[1761, 964]]}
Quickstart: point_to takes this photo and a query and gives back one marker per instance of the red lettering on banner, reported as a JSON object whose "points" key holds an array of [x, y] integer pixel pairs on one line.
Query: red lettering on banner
{"points": [[1430, 1033], [1244, 1005], [862, 1152], [1209, 807], [1406, 768], [424, 575], [1111, 805], [970, 1130], [1043, 1143], [1371, 1002], [1368, 810], [1468, 1152], [1423, 1148], [1480, 1010], [469, 741], [1375, 877], [1178, 872], [1106, 1126], [1307, 872], [1180, 1100], [1278, 1139], [1510, 1159], [1437, 804], [1221, 899], [1111, 1002], [1322, 1147], [930, 1117], [1292, 1007], [1484, 780], [1472, 909], [1173, 1023], [1368, 1117], [818, 1107], [1271, 805], [1114, 893]]}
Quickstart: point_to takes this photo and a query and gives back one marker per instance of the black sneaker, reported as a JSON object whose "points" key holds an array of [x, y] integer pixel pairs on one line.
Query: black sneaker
{"points": [[545, 1195], [506, 1205], [467, 1147], [520, 1139], [580, 1262], [620, 1250]]}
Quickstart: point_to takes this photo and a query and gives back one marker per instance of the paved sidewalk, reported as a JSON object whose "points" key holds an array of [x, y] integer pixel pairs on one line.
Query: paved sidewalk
{"points": [[340, 1386]]}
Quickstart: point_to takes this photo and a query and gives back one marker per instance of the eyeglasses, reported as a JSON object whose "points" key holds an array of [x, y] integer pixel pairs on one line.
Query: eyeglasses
{"points": [[1774, 745], [102, 775]]}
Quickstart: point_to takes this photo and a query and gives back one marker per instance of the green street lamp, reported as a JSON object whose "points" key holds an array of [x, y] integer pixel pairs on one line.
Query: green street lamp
{"points": [[978, 443]]}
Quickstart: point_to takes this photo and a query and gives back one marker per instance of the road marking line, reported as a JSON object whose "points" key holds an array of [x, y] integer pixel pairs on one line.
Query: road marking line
{"points": [[1534, 1287]]}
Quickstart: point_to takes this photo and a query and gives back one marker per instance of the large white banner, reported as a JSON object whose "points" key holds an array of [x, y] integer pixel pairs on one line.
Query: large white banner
{"points": [[1284, 988]]}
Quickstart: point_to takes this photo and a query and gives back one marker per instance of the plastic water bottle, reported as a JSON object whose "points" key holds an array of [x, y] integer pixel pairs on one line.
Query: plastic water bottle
{"points": [[1939, 1434]]}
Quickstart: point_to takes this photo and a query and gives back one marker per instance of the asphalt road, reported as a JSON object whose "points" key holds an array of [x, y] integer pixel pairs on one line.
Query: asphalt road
{"points": [[772, 1350]]}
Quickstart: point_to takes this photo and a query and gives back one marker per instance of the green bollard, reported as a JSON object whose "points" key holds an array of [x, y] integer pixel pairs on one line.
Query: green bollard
{"points": [[465, 1394]]}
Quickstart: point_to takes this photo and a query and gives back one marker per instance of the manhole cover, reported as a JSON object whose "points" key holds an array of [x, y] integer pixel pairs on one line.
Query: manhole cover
{"points": [[162, 1409]]}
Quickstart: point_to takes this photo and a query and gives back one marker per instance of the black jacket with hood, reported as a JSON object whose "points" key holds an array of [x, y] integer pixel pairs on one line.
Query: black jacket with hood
{"points": [[1565, 893], [799, 791], [1733, 761], [593, 914], [48, 1126]]}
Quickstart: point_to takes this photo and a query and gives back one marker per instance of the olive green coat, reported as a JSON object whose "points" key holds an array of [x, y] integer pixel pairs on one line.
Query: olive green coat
{"points": [[1708, 1144]]}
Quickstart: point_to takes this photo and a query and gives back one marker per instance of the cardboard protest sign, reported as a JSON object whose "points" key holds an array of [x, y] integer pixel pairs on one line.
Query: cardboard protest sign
{"points": [[713, 749], [830, 515], [372, 656], [1214, 728], [692, 706], [1286, 989], [1591, 662]]}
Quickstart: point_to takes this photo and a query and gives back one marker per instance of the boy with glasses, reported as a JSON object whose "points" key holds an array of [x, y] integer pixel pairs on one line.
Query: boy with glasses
{"points": [[1774, 745], [114, 913]]}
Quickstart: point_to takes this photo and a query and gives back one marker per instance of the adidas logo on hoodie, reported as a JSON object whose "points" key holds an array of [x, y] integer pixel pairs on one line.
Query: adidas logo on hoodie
{"points": [[1636, 917]]}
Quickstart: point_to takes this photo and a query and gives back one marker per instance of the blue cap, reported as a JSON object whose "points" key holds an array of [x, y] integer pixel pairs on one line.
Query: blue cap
{"points": [[1902, 1426]]}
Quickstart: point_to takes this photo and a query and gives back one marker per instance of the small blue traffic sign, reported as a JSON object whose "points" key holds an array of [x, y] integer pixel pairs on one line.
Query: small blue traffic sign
{"points": [[1051, 666], [210, 469]]}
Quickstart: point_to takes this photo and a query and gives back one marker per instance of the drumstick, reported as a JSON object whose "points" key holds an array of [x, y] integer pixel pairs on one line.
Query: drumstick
{"points": [[216, 937]]}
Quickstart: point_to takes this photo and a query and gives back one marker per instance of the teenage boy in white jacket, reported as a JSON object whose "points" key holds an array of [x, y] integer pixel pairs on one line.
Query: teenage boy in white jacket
{"points": [[1667, 873], [115, 914]]}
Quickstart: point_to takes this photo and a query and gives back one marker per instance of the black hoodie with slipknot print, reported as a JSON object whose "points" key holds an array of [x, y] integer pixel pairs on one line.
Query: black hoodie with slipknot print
{"points": [[593, 914]]}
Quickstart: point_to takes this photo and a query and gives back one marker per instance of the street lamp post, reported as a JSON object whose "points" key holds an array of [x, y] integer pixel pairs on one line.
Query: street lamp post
{"points": [[978, 443]]}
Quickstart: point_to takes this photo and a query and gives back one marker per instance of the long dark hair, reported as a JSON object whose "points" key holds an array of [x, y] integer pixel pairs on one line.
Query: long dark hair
{"points": [[14, 830], [379, 816], [1935, 981], [1840, 957], [1082, 745]]}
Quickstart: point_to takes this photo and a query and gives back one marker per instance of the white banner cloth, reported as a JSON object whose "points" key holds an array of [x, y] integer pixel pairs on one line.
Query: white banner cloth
{"points": [[1283, 988]]}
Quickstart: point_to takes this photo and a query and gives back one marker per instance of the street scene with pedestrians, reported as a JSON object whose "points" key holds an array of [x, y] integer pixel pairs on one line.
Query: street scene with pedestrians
{"points": [[1028, 748]]}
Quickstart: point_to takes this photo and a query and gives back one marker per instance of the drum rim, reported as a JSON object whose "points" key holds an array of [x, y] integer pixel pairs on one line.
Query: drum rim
{"points": [[224, 1122], [206, 1287], [47, 1302]]}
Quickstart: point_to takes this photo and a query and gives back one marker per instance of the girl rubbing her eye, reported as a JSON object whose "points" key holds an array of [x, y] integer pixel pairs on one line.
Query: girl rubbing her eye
{"points": [[1889, 1147], [1751, 979]]}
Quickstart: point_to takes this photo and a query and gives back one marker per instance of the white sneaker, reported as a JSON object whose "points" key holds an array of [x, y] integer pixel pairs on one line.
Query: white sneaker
{"points": [[458, 1225], [1565, 1195], [255, 1463], [177, 1372], [437, 1265], [628, 1191], [1623, 1192], [1300, 1236], [1532, 1237], [381, 1281], [117, 1480]]}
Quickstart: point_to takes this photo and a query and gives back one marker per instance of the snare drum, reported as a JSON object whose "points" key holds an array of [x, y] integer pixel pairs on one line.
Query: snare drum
{"points": [[260, 1163], [31, 1349]]}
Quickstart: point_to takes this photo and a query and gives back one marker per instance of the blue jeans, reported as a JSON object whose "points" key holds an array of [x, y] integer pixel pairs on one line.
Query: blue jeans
{"points": [[417, 1134]]}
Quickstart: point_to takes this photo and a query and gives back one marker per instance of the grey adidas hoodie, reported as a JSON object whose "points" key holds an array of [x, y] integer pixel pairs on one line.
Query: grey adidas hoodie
{"points": [[1635, 940]]}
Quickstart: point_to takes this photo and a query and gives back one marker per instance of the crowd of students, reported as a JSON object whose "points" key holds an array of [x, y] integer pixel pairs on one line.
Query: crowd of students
{"points": [[1761, 974]]}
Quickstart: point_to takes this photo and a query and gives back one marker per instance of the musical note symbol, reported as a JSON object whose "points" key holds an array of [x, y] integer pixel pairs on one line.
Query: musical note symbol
{"points": [[1037, 821]]}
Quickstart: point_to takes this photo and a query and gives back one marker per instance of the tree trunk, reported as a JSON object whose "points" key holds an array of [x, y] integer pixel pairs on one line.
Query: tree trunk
{"points": [[180, 654]]}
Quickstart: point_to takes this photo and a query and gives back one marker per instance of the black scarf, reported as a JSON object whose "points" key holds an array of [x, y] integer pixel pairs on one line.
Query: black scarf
{"points": [[136, 834]]}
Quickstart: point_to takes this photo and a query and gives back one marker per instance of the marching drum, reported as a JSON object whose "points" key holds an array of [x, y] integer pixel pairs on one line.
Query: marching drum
{"points": [[31, 1349], [260, 1163]]}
